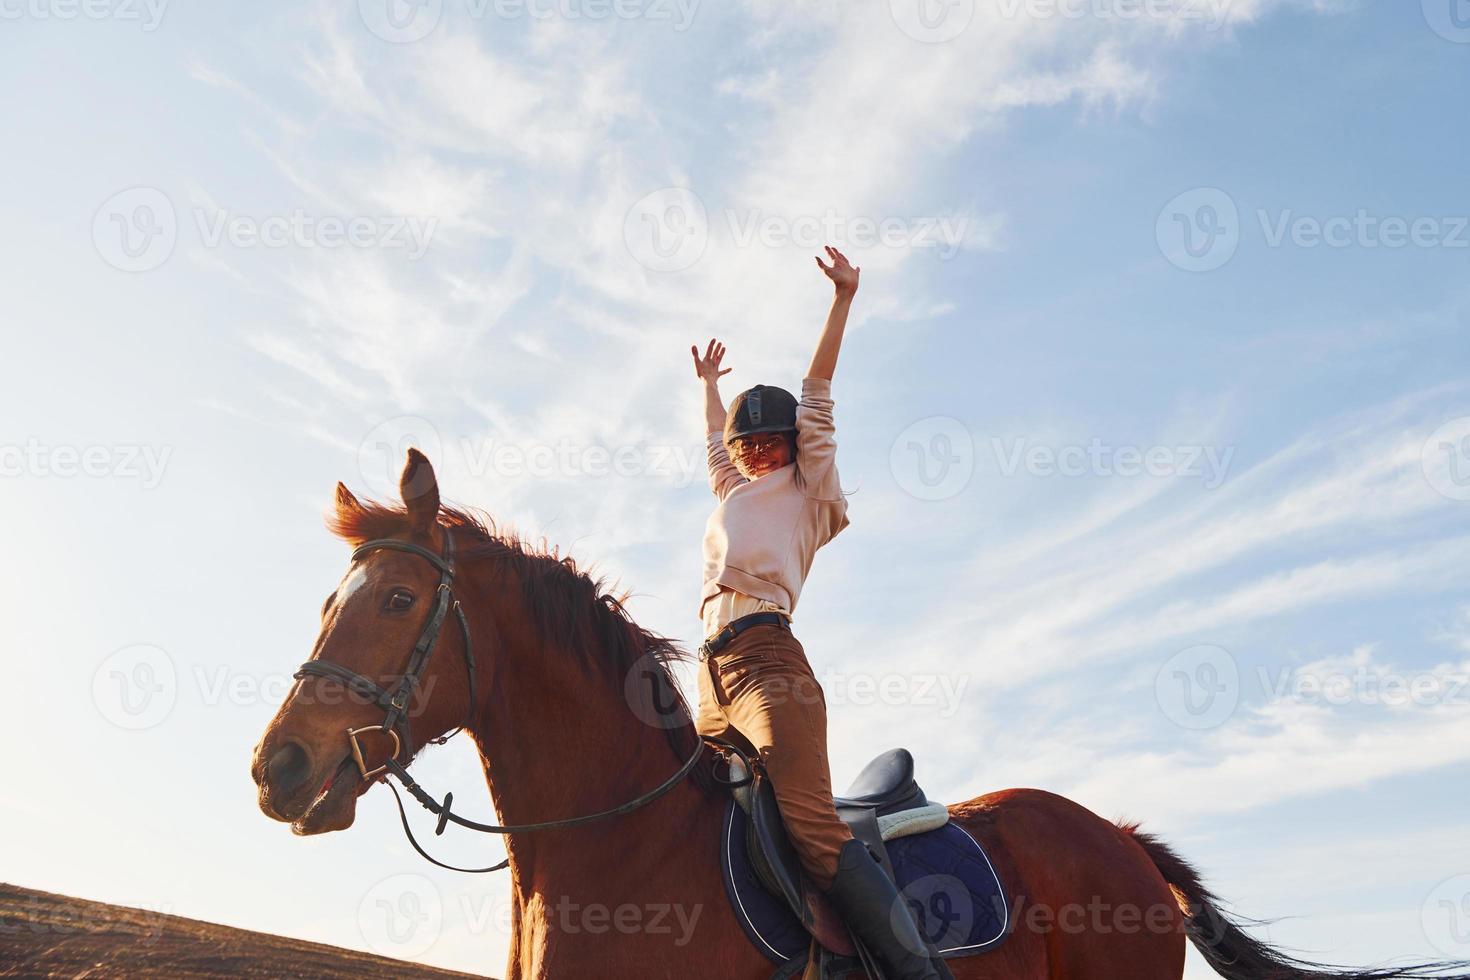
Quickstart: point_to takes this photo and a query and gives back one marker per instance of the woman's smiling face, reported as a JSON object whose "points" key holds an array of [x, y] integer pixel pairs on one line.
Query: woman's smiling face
{"points": [[758, 455]]}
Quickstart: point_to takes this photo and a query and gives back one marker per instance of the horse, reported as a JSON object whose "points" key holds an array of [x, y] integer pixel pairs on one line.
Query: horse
{"points": [[561, 718]]}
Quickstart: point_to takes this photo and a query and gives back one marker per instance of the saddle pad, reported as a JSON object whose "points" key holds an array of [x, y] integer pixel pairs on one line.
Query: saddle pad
{"points": [[952, 889]]}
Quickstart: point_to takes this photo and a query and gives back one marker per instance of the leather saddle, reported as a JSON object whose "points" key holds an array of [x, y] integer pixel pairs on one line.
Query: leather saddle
{"points": [[883, 803]]}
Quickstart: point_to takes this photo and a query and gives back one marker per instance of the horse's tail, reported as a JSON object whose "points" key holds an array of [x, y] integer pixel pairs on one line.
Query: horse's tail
{"points": [[1236, 955]]}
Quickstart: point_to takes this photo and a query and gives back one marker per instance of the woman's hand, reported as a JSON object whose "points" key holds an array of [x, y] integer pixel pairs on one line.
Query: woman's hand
{"points": [[708, 366], [842, 273]]}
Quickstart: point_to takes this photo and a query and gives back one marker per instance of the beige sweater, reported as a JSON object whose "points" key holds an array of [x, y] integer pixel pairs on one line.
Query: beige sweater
{"points": [[763, 534]]}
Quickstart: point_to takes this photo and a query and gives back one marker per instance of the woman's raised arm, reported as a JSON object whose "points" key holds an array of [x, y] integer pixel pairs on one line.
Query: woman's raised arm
{"points": [[844, 277]]}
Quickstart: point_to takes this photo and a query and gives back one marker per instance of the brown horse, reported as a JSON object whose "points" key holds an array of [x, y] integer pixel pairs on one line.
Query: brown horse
{"points": [[561, 733]]}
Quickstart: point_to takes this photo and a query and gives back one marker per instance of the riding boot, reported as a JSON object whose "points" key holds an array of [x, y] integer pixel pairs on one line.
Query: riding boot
{"points": [[880, 919]]}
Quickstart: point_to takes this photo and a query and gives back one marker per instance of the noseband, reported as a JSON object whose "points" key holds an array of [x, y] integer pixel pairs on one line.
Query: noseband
{"points": [[395, 720]]}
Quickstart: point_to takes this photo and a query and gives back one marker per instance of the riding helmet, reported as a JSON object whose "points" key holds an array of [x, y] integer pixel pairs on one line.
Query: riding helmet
{"points": [[764, 408]]}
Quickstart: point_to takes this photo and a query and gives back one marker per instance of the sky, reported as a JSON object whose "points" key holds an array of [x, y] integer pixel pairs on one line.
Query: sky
{"points": [[1153, 406]]}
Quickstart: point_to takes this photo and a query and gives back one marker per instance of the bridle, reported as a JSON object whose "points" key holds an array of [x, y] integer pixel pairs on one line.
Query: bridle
{"points": [[395, 705], [395, 702]]}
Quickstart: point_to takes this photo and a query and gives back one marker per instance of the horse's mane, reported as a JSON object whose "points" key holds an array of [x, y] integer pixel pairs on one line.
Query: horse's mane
{"points": [[572, 609]]}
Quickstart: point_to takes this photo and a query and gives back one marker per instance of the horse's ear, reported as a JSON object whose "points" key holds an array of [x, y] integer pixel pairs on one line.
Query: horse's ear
{"points": [[347, 505], [420, 490]]}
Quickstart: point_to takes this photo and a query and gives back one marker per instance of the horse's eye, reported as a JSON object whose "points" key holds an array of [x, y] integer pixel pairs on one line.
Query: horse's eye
{"points": [[398, 600]]}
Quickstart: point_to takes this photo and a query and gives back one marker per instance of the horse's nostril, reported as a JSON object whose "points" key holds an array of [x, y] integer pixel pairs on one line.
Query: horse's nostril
{"points": [[288, 768]]}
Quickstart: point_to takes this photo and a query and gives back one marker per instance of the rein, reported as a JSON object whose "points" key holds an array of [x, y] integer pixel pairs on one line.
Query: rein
{"points": [[395, 720]]}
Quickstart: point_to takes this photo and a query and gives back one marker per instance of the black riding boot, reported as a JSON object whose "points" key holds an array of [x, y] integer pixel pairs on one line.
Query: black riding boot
{"points": [[876, 913]]}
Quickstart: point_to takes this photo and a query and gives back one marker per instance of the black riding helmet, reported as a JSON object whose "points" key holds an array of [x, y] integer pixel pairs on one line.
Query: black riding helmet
{"points": [[764, 408]]}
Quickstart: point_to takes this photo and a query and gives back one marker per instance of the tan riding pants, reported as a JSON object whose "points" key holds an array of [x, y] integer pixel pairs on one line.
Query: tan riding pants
{"points": [[761, 685]]}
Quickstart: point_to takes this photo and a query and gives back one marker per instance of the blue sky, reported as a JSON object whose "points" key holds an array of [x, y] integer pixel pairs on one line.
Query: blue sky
{"points": [[1104, 233]]}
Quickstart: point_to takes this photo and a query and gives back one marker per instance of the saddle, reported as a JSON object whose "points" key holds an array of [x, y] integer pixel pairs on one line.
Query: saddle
{"points": [[884, 803]]}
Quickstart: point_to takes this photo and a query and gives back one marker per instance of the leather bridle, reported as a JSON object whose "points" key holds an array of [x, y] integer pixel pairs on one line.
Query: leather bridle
{"points": [[395, 704]]}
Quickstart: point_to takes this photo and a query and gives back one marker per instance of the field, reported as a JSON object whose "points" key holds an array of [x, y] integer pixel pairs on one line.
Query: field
{"points": [[46, 935]]}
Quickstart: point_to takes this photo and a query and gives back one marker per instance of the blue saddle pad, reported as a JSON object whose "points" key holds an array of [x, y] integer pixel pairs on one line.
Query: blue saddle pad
{"points": [[950, 884]]}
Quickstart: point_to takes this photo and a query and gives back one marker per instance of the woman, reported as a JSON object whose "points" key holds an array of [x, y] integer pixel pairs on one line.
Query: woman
{"points": [[779, 501]]}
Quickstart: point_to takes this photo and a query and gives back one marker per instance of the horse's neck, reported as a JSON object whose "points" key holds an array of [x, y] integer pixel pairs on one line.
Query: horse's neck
{"points": [[559, 740]]}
